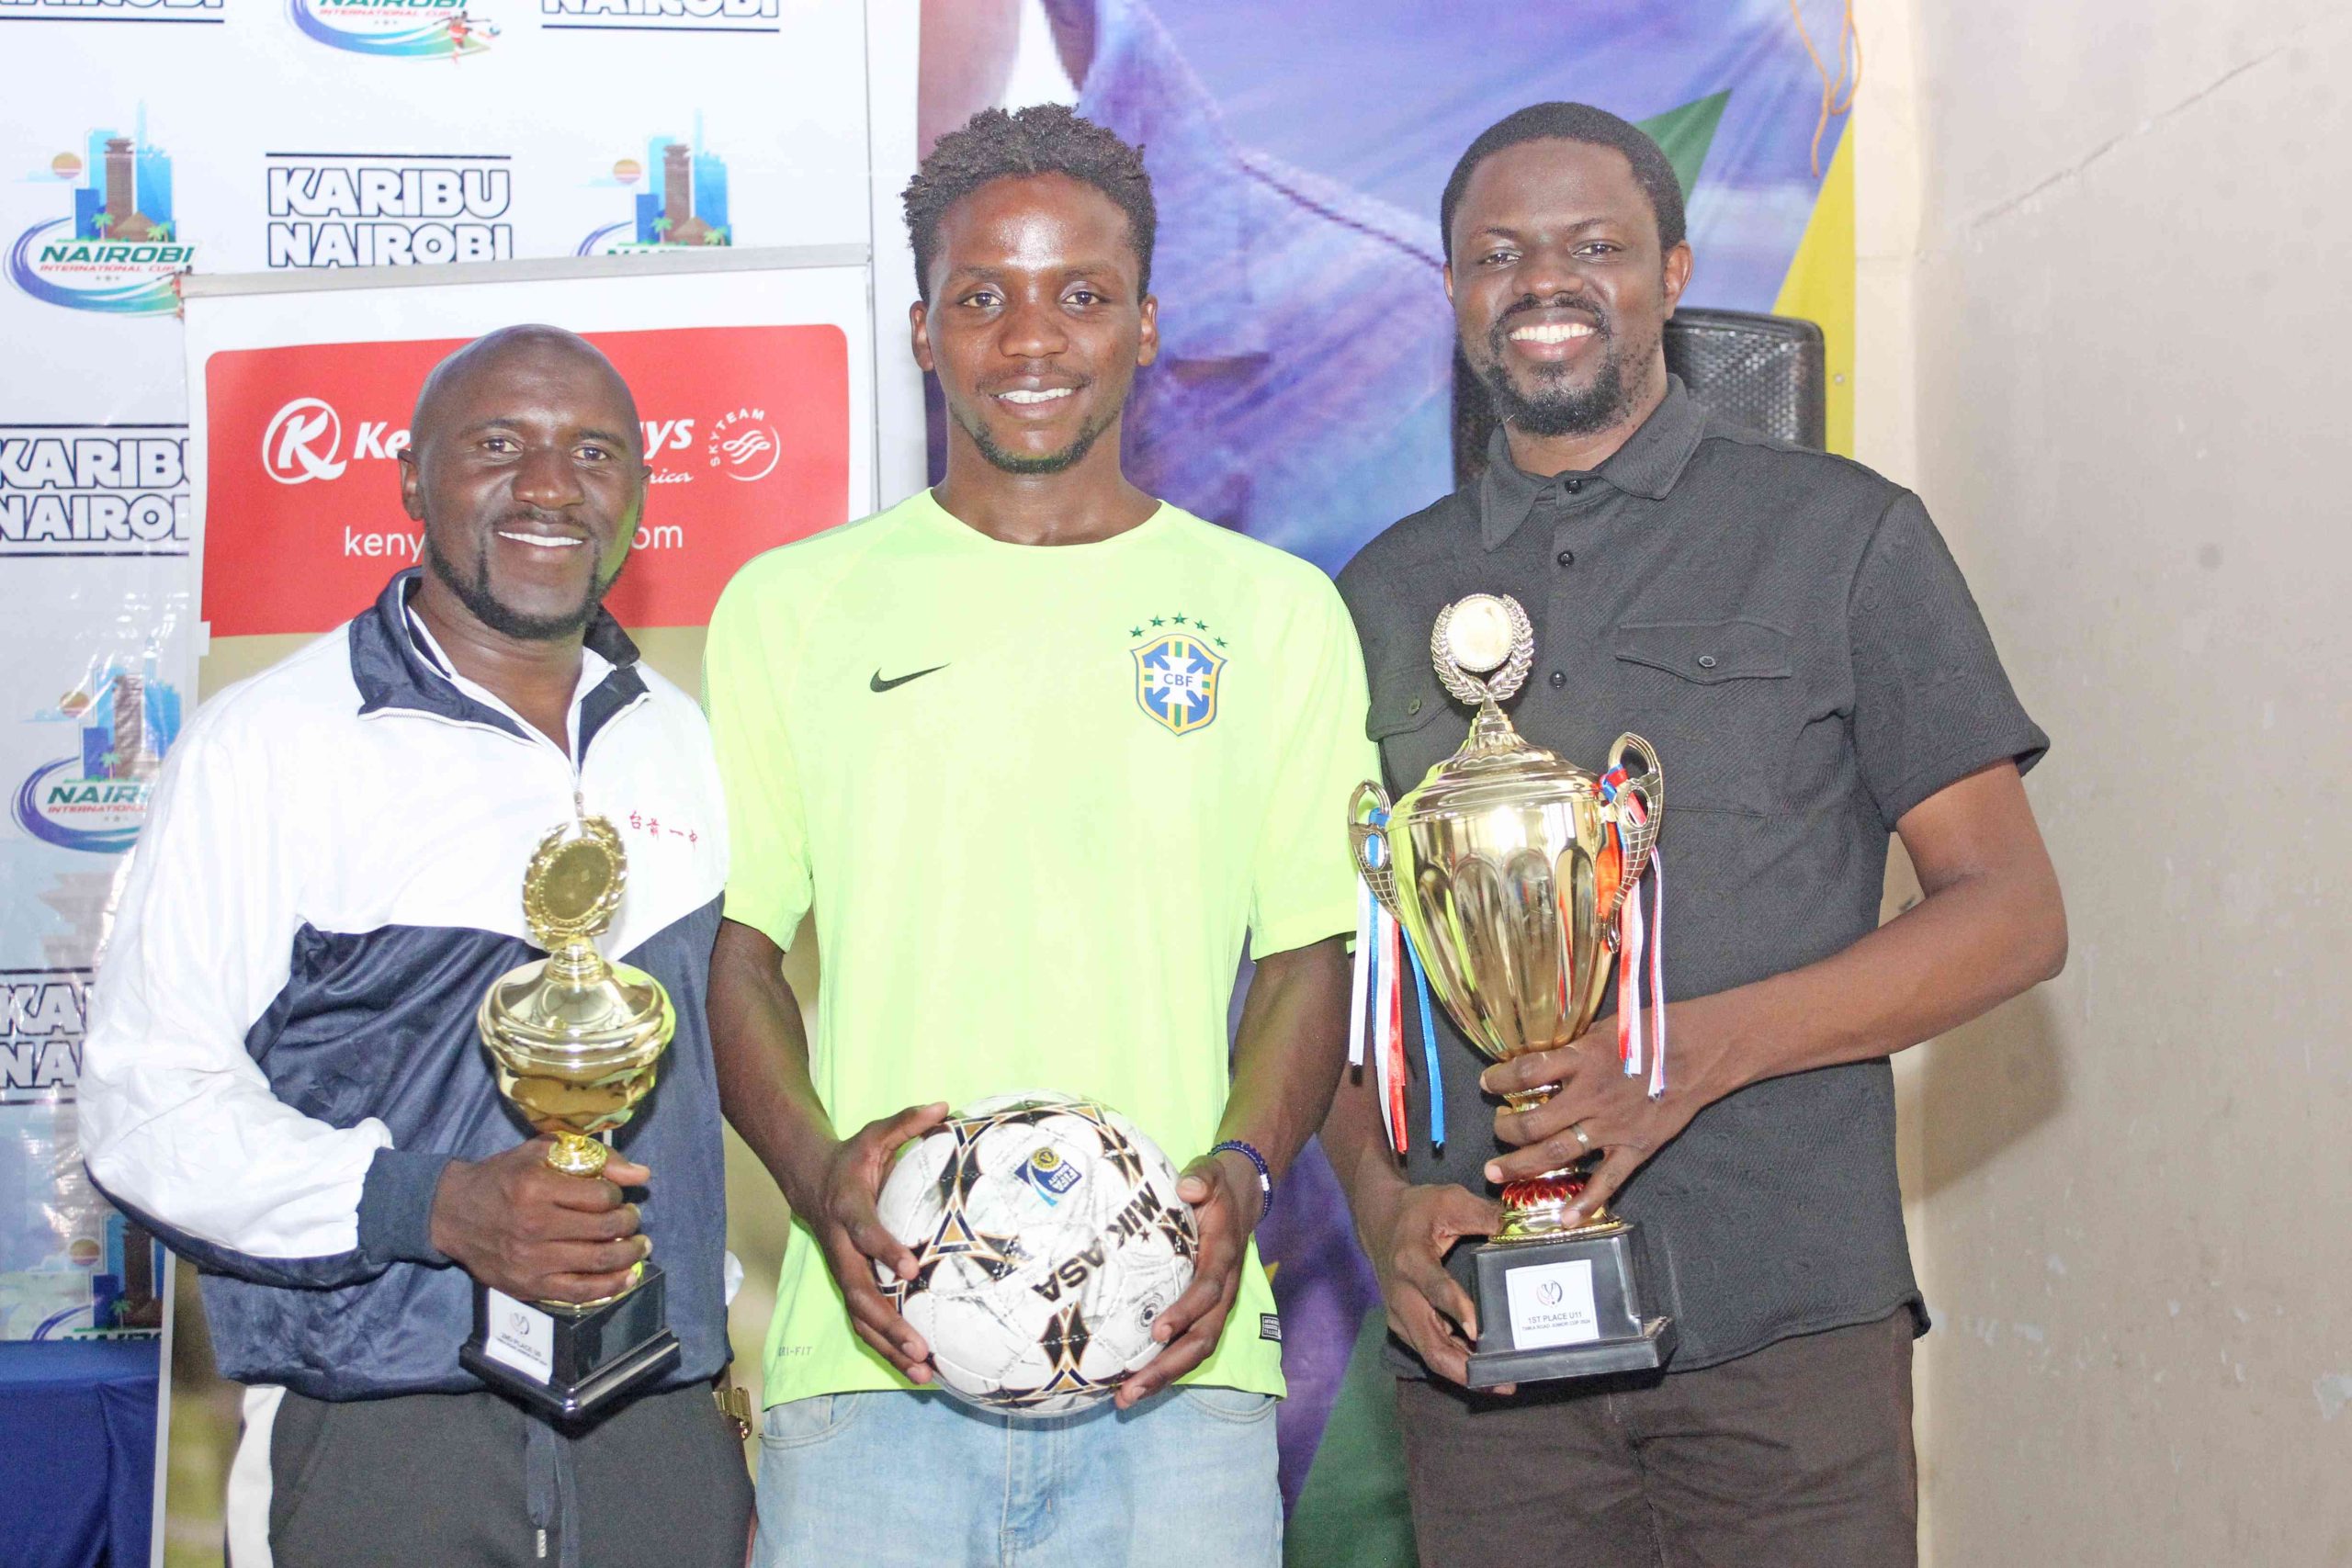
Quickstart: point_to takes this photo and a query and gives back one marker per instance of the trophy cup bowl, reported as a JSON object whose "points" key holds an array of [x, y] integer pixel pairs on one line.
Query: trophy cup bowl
{"points": [[1508, 869], [575, 1042]]}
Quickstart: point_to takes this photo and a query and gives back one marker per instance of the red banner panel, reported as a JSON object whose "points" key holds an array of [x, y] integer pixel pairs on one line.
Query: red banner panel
{"points": [[747, 430]]}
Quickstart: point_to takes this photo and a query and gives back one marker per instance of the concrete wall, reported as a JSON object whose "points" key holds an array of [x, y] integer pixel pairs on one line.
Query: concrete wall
{"points": [[2123, 258]]}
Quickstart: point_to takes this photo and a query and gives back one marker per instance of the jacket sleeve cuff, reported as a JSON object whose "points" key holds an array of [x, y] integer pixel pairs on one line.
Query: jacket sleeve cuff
{"points": [[396, 1207]]}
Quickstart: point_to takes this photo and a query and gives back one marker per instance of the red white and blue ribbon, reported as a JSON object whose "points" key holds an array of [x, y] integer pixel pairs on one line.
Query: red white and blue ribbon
{"points": [[1641, 946], [1360, 983], [1435, 1079], [1376, 1007]]}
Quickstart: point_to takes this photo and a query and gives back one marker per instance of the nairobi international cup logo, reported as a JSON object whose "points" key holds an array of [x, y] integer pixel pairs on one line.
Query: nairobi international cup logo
{"points": [[744, 446], [1177, 676], [679, 200], [96, 800], [404, 30], [118, 250]]}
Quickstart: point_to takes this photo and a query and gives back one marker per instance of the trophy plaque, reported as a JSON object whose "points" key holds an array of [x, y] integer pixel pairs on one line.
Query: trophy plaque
{"points": [[1507, 868], [575, 1040]]}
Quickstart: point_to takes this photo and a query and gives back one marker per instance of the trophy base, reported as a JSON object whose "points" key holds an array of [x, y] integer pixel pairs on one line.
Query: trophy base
{"points": [[565, 1362], [1582, 1304]]}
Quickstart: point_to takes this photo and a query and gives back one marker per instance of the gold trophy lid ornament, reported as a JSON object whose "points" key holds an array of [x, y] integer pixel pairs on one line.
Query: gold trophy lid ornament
{"points": [[576, 1038], [1483, 646]]}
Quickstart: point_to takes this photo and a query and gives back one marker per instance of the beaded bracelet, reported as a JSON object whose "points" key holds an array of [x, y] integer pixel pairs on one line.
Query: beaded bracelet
{"points": [[1265, 1172]]}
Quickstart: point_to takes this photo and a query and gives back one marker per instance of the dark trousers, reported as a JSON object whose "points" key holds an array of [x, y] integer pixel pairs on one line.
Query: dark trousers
{"points": [[464, 1480], [1797, 1456]]}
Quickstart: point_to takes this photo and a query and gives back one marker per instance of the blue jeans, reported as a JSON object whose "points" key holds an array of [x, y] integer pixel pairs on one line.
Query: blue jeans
{"points": [[901, 1480]]}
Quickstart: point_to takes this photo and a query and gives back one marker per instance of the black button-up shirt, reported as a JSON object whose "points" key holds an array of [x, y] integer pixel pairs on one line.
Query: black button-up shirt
{"points": [[1789, 631]]}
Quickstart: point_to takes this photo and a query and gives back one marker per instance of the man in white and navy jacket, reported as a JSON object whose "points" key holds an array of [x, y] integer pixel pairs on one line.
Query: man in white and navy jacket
{"points": [[282, 1074]]}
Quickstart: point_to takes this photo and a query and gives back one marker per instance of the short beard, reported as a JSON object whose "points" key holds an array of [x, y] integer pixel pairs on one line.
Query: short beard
{"points": [[486, 607], [1555, 409], [1068, 456], [1562, 411]]}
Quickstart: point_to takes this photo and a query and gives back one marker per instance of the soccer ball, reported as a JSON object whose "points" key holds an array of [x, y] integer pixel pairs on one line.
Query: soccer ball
{"points": [[1048, 1238]]}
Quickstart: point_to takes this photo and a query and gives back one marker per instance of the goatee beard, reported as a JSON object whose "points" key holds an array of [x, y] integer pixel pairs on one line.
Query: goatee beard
{"points": [[486, 607], [1555, 410], [1562, 411], [1068, 456]]}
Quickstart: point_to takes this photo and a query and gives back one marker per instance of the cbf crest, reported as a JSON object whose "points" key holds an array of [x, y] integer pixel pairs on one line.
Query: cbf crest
{"points": [[1176, 681]]}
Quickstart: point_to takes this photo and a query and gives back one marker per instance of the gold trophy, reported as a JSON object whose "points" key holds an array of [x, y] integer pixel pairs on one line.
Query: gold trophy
{"points": [[575, 1040], [1508, 871]]}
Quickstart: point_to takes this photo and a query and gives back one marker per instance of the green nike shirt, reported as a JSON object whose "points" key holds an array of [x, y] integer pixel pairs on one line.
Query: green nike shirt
{"points": [[1035, 796]]}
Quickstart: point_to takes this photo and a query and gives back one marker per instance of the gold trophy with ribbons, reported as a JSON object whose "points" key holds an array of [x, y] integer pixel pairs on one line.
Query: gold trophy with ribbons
{"points": [[575, 1040], [1509, 870]]}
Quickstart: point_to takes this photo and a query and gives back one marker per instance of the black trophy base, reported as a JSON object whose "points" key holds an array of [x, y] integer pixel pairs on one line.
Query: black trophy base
{"points": [[569, 1363], [1576, 1306]]}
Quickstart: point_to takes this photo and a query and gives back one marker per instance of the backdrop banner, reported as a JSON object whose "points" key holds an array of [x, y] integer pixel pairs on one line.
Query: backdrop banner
{"points": [[154, 148], [746, 427], [751, 372], [153, 141]]}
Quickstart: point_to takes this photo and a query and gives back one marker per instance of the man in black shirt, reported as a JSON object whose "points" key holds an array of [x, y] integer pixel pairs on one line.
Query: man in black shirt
{"points": [[1789, 630]]}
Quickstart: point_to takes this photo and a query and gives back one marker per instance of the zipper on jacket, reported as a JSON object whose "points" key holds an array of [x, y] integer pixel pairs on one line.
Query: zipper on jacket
{"points": [[573, 761]]}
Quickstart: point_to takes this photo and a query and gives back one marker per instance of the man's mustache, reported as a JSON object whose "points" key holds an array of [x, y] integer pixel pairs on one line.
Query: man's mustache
{"points": [[1591, 313], [533, 516]]}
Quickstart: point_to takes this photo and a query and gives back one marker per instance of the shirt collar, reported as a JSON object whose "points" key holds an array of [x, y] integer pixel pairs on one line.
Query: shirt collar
{"points": [[395, 668], [1648, 465]]}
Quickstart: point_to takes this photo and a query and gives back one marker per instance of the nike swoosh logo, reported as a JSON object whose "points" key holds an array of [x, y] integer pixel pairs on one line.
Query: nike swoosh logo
{"points": [[879, 684]]}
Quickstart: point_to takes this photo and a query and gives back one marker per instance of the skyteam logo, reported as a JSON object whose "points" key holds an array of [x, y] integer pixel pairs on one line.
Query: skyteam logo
{"points": [[403, 30], [744, 446], [1176, 681], [681, 201], [118, 252], [96, 801]]}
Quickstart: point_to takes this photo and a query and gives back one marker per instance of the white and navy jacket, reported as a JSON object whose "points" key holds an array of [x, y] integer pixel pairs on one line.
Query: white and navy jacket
{"points": [[282, 1055]]}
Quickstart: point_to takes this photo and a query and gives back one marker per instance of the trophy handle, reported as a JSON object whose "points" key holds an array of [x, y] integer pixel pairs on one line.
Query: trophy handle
{"points": [[1638, 838], [1368, 799]]}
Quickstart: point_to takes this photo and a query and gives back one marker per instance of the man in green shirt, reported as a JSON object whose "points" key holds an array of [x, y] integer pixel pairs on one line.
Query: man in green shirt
{"points": [[1037, 750]]}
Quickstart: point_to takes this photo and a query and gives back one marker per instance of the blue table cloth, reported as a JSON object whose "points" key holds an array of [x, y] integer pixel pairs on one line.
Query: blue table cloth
{"points": [[78, 1450]]}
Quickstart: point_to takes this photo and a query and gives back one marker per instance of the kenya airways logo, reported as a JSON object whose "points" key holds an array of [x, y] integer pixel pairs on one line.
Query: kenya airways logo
{"points": [[304, 441], [301, 442]]}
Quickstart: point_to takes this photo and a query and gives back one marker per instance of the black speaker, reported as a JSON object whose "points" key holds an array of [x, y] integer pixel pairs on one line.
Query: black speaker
{"points": [[1768, 373]]}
